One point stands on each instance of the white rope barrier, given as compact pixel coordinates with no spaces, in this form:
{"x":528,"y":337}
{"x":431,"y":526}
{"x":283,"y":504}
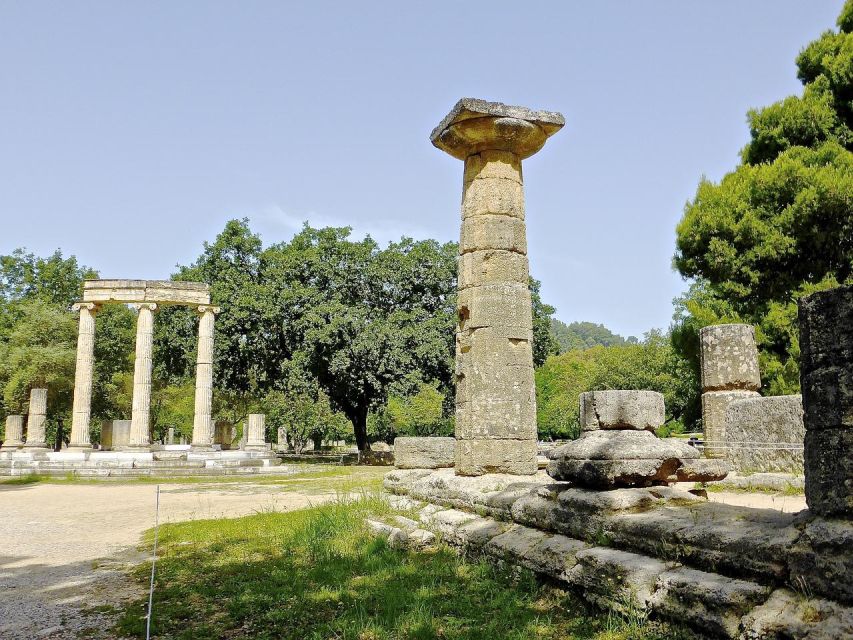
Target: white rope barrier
{"x":153,"y":565}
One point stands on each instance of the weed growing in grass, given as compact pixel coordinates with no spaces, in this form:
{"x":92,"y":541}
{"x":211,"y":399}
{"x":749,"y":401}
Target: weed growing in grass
{"x":318,"y":573}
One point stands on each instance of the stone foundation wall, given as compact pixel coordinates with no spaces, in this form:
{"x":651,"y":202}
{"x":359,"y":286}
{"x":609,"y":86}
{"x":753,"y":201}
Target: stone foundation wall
{"x":727,"y":572}
{"x":766,"y":434}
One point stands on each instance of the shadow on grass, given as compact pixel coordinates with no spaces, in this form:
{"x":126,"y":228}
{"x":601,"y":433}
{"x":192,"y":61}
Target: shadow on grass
{"x":318,"y":573}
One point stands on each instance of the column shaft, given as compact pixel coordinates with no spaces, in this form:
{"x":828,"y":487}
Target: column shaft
{"x":14,"y":437}
{"x":82,"y":407}
{"x":729,"y":372}
{"x":140,"y":425}
{"x":495,"y":393}
{"x":36,"y":419}
{"x":202,"y":420}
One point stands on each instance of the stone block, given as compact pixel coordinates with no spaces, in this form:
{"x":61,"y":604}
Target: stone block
{"x":492,"y":164}
{"x":493,"y":232}
{"x":115,"y":434}
{"x":821,"y":561}
{"x":709,"y":603}
{"x":493,"y":267}
{"x":621,"y":409}
{"x":605,"y":474}
{"x":424,"y":453}
{"x":766,"y":434}
{"x":701,"y":470}
{"x":623,"y":445}
{"x":794,"y":616}
{"x":481,"y":456}
{"x":828,"y":396}
{"x":729,"y":358}
{"x":616,"y":579}
{"x":505,"y":307}
{"x":515,"y":544}
{"x":715,"y":404}
{"x":492,"y":196}
{"x":223,"y":434}
{"x":826,"y":329}
{"x":829,"y":471}
{"x":477,"y":533}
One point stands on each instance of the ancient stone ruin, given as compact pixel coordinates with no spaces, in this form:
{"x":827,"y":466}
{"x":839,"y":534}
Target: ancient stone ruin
{"x":826,"y":375}
{"x":603,"y":520}
{"x":729,"y":371}
{"x":495,"y":393}
{"x":754,"y":433}
{"x":126,"y":447}
{"x":618,"y":447}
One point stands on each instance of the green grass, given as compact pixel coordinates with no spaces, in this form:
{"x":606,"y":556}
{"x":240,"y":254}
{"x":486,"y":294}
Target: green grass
{"x":318,"y":573}
{"x":789,"y":490}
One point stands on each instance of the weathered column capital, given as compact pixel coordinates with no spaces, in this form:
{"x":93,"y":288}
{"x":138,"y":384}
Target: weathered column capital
{"x":91,"y":307}
{"x":150,"y":306}
{"x":473,"y":126}
{"x":207,"y":308}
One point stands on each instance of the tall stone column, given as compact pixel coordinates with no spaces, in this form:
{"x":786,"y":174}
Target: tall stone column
{"x":14,"y":438}
{"x":495,"y":394}
{"x":140,"y":419}
{"x":81,"y":411}
{"x":729,"y":371}
{"x":826,"y":378}
{"x":203,"y":426}
{"x":36,"y":419}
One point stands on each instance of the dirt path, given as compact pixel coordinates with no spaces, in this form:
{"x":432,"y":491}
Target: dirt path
{"x":65,"y":547}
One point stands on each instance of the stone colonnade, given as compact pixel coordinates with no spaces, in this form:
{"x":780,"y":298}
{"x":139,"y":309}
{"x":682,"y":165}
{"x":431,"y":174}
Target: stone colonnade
{"x":146,"y":297}
{"x":729,"y":371}
{"x":495,"y":397}
{"x":826,"y":378}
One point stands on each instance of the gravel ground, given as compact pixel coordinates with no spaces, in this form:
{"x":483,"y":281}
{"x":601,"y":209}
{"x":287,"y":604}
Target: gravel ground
{"x":66,"y":547}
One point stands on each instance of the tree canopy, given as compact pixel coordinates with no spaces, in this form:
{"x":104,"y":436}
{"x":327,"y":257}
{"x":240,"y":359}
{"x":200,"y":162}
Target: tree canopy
{"x":781,"y":224}
{"x":583,"y":335}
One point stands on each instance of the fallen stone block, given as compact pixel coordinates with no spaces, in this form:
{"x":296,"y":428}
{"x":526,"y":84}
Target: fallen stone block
{"x":424,"y":453}
{"x":621,"y":409}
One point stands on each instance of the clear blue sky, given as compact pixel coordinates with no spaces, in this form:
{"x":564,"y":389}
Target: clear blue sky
{"x":130,"y":132}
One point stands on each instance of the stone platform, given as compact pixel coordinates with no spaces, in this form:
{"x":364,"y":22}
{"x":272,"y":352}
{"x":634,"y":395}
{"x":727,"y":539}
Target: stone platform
{"x":169,"y":461}
{"x":725,"y":571}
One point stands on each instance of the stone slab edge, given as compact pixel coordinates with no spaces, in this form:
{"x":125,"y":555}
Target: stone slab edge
{"x":714,"y":605}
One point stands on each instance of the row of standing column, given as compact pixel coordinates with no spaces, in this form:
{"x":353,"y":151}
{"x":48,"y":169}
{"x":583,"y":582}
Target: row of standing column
{"x":140,"y":437}
{"x":36,"y":418}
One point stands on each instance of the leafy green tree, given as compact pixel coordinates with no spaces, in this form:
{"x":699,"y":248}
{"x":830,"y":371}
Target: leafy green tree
{"x":419,"y":414}
{"x":781,"y":224}
{"x":583,"y":335}
{"x":304,"y":418}
{"x":544,"y":342}
{"x":651,"y":364}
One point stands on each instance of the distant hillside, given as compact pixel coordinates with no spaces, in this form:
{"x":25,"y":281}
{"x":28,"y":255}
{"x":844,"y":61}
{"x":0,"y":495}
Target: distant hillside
{"x":582,"y":335}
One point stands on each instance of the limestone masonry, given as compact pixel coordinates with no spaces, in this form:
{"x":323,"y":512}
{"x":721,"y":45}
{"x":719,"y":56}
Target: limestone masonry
{"x":729,"y":371}
{"x":826,"y":378}
{"x":618,"y":447}
{"x":495,"y":394}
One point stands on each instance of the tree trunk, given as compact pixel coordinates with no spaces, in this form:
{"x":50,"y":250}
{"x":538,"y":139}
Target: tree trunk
{"x":359,"y":424}
{"x":318,"y":442}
